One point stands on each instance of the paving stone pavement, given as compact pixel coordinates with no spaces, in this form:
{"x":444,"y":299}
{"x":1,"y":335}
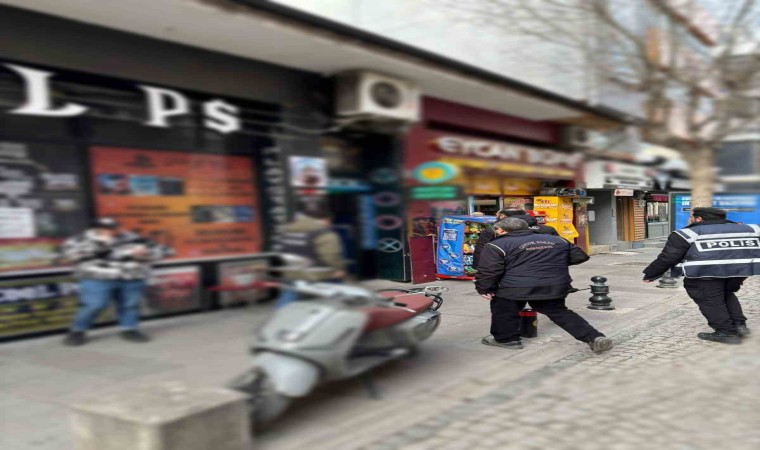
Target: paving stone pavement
{"x":660,"y":387}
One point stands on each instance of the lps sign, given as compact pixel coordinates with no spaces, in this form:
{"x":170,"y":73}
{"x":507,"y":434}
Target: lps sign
{"x":507,"y":152}
{"x":161,"y":103}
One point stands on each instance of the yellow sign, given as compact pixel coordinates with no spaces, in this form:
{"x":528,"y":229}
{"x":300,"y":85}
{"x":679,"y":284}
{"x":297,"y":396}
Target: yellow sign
{"x":511,"y":186}
{"x":484,"y":185}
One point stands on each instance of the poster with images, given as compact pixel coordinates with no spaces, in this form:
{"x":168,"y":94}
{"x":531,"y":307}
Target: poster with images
{"x":172,"y":290}
{"x":198,"y":204}
{"x":40,"y":304}
{"x":308,"y":172}
{"x":42,"y":202}
{"x":241,"y":273}
{"x":17,"y":223}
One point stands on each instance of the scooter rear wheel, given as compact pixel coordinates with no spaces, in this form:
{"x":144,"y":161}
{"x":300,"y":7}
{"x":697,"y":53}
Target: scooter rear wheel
{"x":265,"y":403}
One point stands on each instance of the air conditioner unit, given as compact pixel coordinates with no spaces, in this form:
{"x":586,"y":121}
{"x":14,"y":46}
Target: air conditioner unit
{"x":578,"y":137}
{"x":370,"y":95}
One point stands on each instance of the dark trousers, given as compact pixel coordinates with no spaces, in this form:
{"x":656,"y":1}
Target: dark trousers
{"x":716,"y":299}
{"x":505,"y":319}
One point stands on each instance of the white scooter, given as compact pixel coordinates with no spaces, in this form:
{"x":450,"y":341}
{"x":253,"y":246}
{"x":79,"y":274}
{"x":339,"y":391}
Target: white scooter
{"x":337,"y":332}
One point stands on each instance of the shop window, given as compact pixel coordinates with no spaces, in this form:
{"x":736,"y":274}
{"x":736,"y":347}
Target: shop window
{"x":487,"y":205}
{"x":657,"y":212}
{"x":42,"y":202}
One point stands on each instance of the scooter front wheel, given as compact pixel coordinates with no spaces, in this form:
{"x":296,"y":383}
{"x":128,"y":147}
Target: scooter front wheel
{"x":265,"y":403}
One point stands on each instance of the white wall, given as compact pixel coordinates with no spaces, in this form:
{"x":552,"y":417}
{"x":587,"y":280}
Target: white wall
{"x":450,"y":32}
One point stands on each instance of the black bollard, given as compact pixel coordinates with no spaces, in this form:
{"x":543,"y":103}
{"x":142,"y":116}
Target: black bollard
{"x":600,"y":300}
{"x":528,"y":323}
{"x":668,"y":281}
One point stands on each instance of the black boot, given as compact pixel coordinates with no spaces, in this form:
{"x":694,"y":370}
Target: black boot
{"x":743,"y":330}
{"x":134,"y":336}
{"x":75,"y":339}
{"x":721,"y":337}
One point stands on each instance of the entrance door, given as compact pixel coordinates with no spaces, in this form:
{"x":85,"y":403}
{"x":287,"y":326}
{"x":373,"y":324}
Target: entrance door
{"x":624,"y":218}
{"x":347,"y":222}
{"x":422,"y":255}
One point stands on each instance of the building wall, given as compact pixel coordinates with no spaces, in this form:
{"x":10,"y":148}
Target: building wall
{"x":739,"y":158}
{"x":69,"y":45}
{"x":451,"y":31}
{"x":603,"y":230}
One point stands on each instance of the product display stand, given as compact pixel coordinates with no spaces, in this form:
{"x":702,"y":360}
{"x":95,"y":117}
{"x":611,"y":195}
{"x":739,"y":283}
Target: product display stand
{"x":559,"y":214}
{"x":457,"y":237}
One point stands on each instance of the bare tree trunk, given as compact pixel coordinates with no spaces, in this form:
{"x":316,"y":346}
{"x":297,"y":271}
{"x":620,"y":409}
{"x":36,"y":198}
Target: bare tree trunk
{"x":702,"y":175}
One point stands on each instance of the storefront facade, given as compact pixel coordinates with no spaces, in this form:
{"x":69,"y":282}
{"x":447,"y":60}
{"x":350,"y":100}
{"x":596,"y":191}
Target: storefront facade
{"x":455,"y":167}
{"x":618,"y":215}
{"x":366,"y":198}
{"x":170,"y":148}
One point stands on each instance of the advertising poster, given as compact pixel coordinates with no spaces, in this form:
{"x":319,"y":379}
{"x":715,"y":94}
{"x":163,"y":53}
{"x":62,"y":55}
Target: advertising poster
{"x":200,"y":205}
{"x":241,"y":273}
{"x":743,"y":208}
{"x":171,"y":290}
{"x":456,"y":244}
{"x":307,"y":172}
{"x":41,"y":304}
{"x":41,"y":203}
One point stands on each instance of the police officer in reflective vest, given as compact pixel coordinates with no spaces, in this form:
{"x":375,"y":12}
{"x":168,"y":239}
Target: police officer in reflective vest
{"x":715,"y":256}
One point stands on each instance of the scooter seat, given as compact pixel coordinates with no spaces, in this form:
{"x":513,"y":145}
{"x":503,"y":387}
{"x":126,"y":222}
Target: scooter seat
{"x":417,"y":302}
{"x":387,"y":317}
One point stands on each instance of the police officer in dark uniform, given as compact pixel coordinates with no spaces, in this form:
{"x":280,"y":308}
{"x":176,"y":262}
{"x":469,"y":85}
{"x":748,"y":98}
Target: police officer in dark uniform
{"x":715,"y":255}
{"x":522,"y":267}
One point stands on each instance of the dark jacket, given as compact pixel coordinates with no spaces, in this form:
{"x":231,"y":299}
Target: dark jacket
{"x":524,"y":265}
{"x":533,"y":224}
{"x":488,"y":235}
{"x":675,"y":251}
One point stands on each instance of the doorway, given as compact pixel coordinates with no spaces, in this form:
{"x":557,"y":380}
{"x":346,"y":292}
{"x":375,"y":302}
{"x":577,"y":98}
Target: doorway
{"x":347,"y":222}
{"x":624,"y":218}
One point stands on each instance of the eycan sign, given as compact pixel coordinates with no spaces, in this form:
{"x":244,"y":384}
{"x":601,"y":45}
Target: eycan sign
{"x":501,"y":151}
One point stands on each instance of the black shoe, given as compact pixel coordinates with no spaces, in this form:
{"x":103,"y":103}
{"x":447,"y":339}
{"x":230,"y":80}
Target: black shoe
{"x":512,"y":345}
{"x":600,"y":344}
{"x":134,"y":336}
{"x":75,"y":339}
{"x":723,"y":338}
{"x":743,"y":330}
